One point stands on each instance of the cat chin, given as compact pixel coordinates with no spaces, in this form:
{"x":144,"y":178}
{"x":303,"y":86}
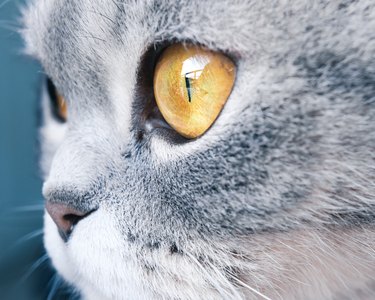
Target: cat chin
{"x":101,"y":264}
{"x":92,"y":260}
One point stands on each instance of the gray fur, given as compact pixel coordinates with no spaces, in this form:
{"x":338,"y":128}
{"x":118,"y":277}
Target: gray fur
{"x":291,"y":155}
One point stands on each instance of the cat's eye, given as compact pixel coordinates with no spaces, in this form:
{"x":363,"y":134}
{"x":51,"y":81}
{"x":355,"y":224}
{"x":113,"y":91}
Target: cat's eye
{"x":59,"y":106}
{"x":191,"y":86}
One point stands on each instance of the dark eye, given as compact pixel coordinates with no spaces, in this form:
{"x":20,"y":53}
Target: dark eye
{"x":59,"y":105}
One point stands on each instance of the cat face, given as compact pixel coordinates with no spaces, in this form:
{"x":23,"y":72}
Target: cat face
{"x":284,"y":171}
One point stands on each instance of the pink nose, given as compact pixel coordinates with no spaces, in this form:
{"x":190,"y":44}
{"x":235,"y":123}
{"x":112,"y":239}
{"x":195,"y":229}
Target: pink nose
{"x":65,"y":217}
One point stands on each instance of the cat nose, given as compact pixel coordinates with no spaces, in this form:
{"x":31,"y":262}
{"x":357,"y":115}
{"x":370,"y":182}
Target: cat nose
{"x":65,"y":217}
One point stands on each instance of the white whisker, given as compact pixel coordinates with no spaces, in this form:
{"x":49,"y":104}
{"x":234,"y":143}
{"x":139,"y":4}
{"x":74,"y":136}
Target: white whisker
{"x":27,"y":237}
{"x":56,"y":282}
{"x":4,"y":3}
{"x":208,"y":276}
{"x":249,"y":287}
{"x":28,"y":208}
{"x":219,"y":274}
{"x":34,"y":266}
{"x":22,"y":240}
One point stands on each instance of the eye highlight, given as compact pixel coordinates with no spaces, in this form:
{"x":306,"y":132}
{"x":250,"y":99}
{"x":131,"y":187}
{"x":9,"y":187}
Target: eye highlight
{"x":191,"y":86}
{"x":59,"y":105}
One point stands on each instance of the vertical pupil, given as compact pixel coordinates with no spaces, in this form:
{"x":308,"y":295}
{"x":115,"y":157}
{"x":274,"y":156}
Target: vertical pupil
{"x":188,"y":87}
{"x":189,"y":80}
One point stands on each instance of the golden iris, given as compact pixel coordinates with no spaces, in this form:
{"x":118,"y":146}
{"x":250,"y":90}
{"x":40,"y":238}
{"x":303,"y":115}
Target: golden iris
{"x":62,"y":107}
{"x":191,"y":86}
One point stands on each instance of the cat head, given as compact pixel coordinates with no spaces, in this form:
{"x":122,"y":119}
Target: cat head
{"x":160,"y":215}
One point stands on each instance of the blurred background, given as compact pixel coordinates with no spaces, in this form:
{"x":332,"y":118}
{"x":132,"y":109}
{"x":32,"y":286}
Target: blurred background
{"x":25,"y":271}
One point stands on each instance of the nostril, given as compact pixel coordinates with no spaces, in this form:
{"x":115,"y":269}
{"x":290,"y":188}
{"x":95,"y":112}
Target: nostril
{"x":74,"y":219}
{"x":71,"y":220}
{"x":65,"y":217}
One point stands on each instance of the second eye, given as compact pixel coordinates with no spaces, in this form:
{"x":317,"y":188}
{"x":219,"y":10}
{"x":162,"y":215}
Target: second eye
{"x":59,"y":105}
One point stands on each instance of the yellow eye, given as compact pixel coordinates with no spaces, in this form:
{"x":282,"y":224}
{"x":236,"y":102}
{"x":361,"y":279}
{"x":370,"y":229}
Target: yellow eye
{"x":59,"y":104}
{"x":62,"y":108}
{"x":191,"y":86}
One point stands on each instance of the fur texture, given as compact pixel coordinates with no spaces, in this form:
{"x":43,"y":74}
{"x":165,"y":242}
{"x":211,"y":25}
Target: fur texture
{"x":276,"y":200}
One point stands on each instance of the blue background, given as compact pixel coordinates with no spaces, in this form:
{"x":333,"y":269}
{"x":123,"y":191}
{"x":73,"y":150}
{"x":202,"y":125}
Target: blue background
{"x":21,"y":203}
{"x":19,"y":81}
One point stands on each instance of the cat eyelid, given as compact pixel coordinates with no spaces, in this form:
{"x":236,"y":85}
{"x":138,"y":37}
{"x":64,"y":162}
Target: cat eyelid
{"x":160,"y":46}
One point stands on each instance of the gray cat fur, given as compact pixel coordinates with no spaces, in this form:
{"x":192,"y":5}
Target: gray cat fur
{"x":276,"y":200}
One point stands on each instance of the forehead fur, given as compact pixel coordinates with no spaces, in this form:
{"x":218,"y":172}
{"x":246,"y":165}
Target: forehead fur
{"x":76,"y":38}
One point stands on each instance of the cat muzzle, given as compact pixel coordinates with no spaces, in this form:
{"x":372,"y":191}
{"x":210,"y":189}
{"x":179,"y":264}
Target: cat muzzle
{"x":65,"y":217}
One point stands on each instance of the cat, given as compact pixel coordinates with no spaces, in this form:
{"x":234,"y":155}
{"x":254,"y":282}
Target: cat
{"x":276,"y":200}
